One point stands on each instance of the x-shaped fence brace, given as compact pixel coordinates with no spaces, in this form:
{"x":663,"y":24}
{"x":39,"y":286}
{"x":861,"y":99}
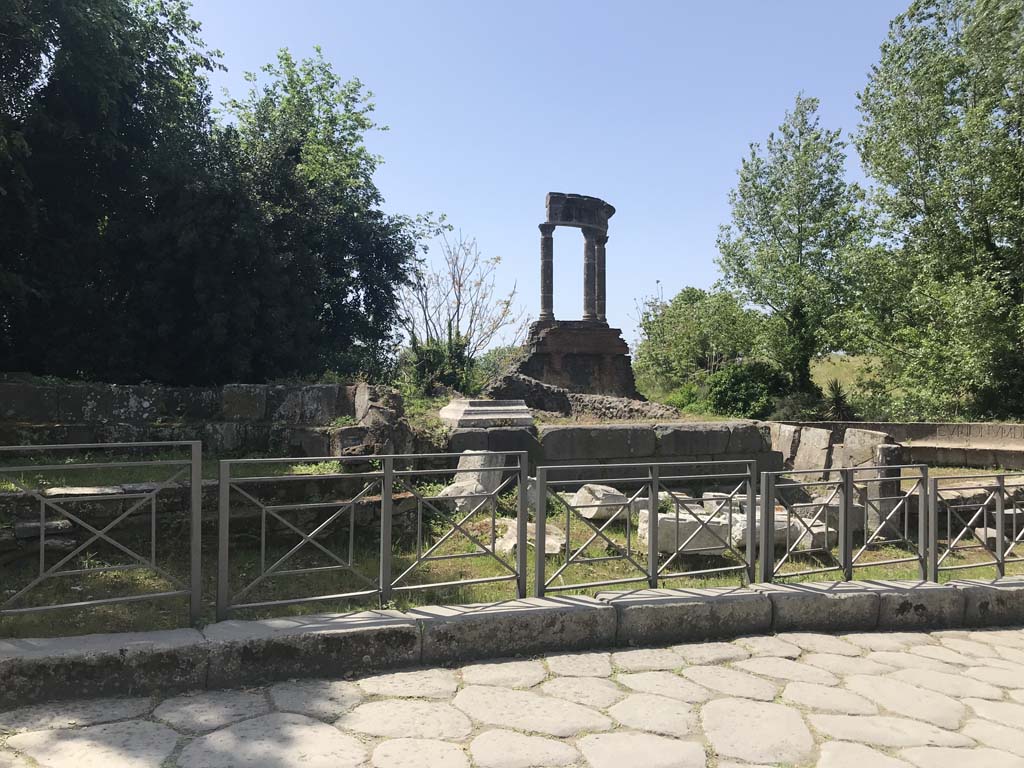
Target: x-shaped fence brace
{"x":876,"y":535}
{"x":97,"y":534}
{"x":458,"y":526}
{"x":308,"y":538}
{"x":822,"y":509}
{"x":575,"y":556}
{"x":954,"y":511}
{"x":702,"y":523}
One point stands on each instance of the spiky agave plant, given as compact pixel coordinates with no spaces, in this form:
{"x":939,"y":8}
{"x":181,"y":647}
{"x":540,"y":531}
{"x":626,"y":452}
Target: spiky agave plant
{"x":837,"y":403}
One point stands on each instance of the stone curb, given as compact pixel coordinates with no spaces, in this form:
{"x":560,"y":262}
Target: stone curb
{"x":239,"y":653}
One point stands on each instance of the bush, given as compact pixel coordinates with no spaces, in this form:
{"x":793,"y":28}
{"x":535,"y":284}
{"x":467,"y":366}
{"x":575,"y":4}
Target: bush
{"x":747,"y":390}
{"x":685,"y":396}
{"x":433,"y":364}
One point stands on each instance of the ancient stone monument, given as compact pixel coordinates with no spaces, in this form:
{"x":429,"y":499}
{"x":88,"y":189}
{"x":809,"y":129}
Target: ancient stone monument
{"x":579,"y":355}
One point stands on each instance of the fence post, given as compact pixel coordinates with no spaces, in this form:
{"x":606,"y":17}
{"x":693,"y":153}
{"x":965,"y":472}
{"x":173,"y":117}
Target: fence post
{"x":845,"y":523}
{"x":196,"y":534}
{"x":652,"y":527}
{"x":933,"y":530}
{"x":386,"y":502}
{"x":223,"y":521}
{"x":767,"y":549}
{"x":540,"y":521}
{"x":751,"y":521}
{"x":522,"y":512}
{"x":924,"y":529}
{"x":1000,"y":526}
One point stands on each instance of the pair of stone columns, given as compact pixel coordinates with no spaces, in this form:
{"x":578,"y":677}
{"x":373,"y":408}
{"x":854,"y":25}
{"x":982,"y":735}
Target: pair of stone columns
{"x":594,"y":242}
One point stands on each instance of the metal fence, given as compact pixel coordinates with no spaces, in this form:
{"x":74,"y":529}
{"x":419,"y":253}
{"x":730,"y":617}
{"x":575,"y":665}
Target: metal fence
{"x":828,"y":521}
{"x":343,"y":513}
{"x":976,"y":513}
{"x":60,"y":481}
{"x":627,"y":528}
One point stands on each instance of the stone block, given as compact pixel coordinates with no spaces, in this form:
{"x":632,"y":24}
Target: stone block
{"x":482,"y":468}
{"x":27,"y":402}
{"x":465,"y":413}
{"x":346,"y":439}
{"x":992,"y":603}
{"x":747,"y":438}
{"x":322,"y":404}
{"x":662,"y":616}
{"x":785,"y":440}
{"x":140,"y":663}
{"x":859,"y":446}
{"x":244,"y":402}
{"x":685,"y":533}
{"x":514,"y":628}
{"x":284,"y":403}
{"x":467,"y":440}
{"x":676,"y":440}
{"x":814,"y":451}
{"x":503,"y":439}
{"x":600,"y":502}
{"x":581,"y":445}
{"x":918,"y":605}
{"x":822,"y":606}
{"x":303,"y":441}
{"x":245,"y":653}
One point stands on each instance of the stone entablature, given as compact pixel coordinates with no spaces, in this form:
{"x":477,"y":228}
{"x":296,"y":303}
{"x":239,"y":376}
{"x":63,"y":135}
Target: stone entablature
{"x":461,"y":412}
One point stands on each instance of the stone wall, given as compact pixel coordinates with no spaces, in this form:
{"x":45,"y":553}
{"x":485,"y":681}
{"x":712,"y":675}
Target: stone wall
{"x":304,"y":420}
{"x":616,"y":443}
{"x":990,"y":444}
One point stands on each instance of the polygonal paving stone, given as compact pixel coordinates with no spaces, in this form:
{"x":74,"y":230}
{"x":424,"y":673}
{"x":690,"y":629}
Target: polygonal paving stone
{"x":1017,"y":695}
{"x":786,"y":669}
{"x":617,"y":750}
{"x":951,"y":685}
{"x":589,"y":691}
{"x":508,"y":749}
{"x":711,"y":653}
{"x":970,"y":648}
{"x":1015,"y":655}
{"x":665,"y":684}
{"x":647,"y":659}
{"x":882,"y":731}
{"x":945,"y":655}
{"x":527,"y":711}
{"x":769,"y":646}
{"x":647,"y":712}
{"x":11,"y":760}
{"x":210,"y":710}
{"x":819,"y":643}
{"x":886,"y":641}
{"x":732,"y":682}
{"x":1011,"y":638}
{"x":418,"y":753}
{"x":995,"y":735}
{"x":509,"y":674}
{"x":131,"y":744}
{"x":68,"y":714}
{"x":908,"y":700}
{"x":1004,"y":712}
{"x":280,"y":740}
{"x":418,"y":683}
{"x":845,"y":665}
{"x":827,"y":699}
{"x":581,"y":664}
{"x":994,"y":676}
{"x":903,"y":660}
{"x":945,"y":757}
{"x":409,"y":718}
{"x":756,"y":731}
{"x":322,"y":699}
{"x":842,"y":754}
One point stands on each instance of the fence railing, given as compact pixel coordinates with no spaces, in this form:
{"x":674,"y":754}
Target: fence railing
{"x":828,"y":521}
{"x":142,"y":491}
{"x":976,"y":513}
{"x":629,"y":528}
{"x":344,"y":514}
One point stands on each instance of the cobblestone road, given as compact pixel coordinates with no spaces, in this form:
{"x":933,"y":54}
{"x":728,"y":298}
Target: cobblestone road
{"x":928,"y":700}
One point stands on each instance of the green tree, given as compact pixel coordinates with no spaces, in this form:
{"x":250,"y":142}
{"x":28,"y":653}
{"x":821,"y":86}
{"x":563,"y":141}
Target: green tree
{"x":941,"y":297}
{"x":695,"y":334}
{"x":795,"y":221}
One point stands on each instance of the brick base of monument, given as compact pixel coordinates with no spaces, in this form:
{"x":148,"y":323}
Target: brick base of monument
{"x":581,"y":356}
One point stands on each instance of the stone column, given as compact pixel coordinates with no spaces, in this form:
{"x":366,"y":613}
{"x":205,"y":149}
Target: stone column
{"x":547,"y":272}
{"x":599,"y":289}
{"x":589,"y":273}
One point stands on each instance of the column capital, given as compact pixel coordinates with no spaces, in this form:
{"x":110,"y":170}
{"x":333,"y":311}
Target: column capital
{"x":546,"y":230}
{"x":601,"y":238}
{"x":591,"y":233}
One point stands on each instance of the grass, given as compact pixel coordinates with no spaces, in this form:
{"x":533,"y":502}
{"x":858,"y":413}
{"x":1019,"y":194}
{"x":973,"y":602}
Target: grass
{"x":363,"y":537}
{"x":846,"y":369}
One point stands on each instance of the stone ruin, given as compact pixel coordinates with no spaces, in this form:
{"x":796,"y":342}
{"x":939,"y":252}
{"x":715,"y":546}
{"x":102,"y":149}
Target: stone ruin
{"x":586,"y":355}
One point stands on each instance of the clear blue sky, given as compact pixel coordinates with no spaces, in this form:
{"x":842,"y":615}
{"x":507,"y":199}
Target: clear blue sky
{"x":649,"y":105}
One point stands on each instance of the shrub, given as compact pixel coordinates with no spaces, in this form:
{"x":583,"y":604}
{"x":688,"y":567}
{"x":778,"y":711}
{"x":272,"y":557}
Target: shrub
{"x":747,"y":390}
